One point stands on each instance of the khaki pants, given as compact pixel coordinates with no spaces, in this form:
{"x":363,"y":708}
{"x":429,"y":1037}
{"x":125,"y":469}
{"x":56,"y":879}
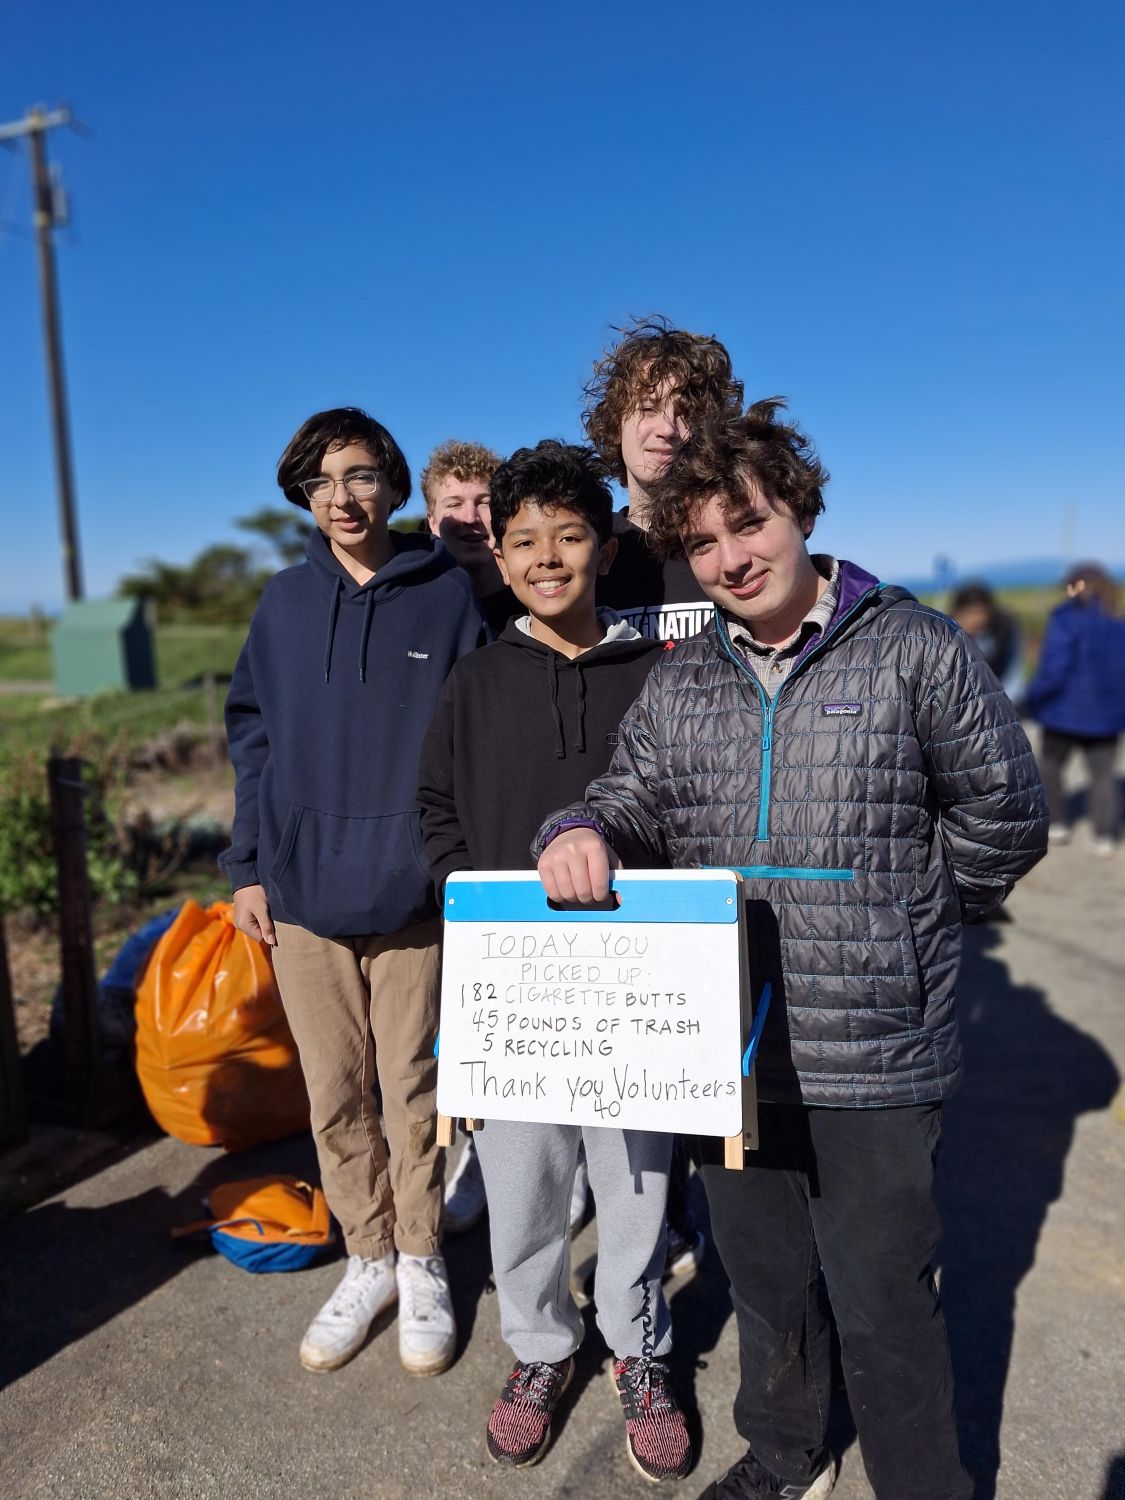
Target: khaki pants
{"x":357,"y":1007}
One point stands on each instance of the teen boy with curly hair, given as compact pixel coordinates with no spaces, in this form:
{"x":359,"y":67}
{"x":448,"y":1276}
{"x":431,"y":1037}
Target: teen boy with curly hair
{"x":645,"y":395}
{"x":337,"y":681}
{"x":455,"y":486}
{"x":849,"y":750}
{"x":520,"y":722}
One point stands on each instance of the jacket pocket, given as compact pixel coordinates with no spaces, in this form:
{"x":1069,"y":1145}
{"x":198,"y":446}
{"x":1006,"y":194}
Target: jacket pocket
{"x":351,"y":876}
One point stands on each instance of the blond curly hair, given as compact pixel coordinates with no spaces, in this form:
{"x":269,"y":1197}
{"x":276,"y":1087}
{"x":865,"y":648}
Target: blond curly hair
{"x":459,"y":460}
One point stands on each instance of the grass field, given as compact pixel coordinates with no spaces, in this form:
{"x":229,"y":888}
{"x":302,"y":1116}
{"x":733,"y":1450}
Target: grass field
{"x":184,"y":653}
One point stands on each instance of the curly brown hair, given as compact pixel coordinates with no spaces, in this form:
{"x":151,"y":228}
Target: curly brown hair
{"x":462,"y":461}
{"x":651,"y":353}
{"x":728,"y":456}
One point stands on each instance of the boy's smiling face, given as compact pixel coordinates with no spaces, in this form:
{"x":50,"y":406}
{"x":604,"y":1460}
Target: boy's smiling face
{"x":460,"y":517}
{"x":353,"y":525}
{"x":551,"y":559}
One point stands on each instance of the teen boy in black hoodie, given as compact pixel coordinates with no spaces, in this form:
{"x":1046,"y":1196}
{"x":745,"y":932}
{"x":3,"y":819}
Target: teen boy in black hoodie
{"x":336,"y":683}
{"x":519,"y":721}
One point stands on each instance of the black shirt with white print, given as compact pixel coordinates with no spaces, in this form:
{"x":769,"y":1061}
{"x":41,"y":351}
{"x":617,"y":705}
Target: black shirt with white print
{"x":659,"y":599}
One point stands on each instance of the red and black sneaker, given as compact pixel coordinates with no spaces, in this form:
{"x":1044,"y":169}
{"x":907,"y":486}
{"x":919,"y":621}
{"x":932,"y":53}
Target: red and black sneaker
{"x":655,"y":1431}
{"x":519,"y":1428}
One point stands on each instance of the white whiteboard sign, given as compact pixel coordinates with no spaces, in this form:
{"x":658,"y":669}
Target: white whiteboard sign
{"x":629,"y":1018}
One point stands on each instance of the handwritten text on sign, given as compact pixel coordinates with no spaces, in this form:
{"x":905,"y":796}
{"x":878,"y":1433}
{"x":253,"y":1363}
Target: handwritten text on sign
{"x":628,"y":1018}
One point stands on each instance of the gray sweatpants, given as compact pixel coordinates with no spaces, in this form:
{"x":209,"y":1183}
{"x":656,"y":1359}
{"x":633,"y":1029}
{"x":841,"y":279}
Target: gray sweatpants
{"x":528,"y":1174}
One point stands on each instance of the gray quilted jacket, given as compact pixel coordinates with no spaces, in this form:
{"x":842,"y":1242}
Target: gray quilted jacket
{"x":885,"y":795}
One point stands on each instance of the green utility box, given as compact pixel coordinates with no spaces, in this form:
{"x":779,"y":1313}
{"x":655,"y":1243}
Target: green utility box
{"x":102,"y":643}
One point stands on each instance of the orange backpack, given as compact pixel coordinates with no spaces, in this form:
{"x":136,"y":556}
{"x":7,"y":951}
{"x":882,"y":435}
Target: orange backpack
{"x":266,"y":1223}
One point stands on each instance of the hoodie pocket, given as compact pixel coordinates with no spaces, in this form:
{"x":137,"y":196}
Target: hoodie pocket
{"x":351,"y":876}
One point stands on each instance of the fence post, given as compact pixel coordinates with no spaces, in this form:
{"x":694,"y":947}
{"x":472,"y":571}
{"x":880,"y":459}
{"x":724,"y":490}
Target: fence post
{"x":79,"y":980}
{"x":13,"y":1119}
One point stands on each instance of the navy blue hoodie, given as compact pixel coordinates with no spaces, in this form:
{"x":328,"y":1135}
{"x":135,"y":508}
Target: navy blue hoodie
{"x":325,"y":717}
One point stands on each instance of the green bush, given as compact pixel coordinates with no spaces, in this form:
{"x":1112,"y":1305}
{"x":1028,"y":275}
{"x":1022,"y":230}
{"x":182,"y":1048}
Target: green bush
{"x":28,"y":873}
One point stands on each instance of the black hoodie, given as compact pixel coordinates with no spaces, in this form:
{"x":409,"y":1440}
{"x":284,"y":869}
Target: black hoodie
{"x":521,"y":729}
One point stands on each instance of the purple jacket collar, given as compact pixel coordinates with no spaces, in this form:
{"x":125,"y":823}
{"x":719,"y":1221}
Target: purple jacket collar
{"x":855,"y":582}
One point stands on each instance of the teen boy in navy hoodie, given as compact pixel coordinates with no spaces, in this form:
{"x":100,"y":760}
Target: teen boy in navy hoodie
{"x":339,"y":676}
{"x":532,"y":714}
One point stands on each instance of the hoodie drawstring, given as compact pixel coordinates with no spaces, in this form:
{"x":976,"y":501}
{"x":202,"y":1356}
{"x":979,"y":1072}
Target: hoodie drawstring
{"x":368,"y":611}
{"x":553,"y":684}
{"x":580,"y":704}
{"x":333,"y":611}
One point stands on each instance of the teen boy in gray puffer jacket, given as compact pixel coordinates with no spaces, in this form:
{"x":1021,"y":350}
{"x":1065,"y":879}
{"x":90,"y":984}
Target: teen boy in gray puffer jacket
{"x":848,"y":750}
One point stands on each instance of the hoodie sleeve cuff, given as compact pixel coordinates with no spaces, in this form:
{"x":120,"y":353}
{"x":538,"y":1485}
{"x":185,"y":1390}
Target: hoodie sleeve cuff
{"x":549,"y":834}
{"x":241,"y":874}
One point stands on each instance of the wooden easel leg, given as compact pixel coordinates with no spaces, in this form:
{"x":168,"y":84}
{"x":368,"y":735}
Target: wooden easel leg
{"x":471,"y":1125}
{"x":733,"y":1151}
{"x":446,"y":1130}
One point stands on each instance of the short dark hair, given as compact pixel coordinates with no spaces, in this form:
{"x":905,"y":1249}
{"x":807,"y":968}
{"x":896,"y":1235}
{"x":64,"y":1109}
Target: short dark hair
{"x":726,"y":456}
{"x":554,"y":476}
{"x":975,"y":594}
{"x":336,"y":429}
{"x":651,"y":353}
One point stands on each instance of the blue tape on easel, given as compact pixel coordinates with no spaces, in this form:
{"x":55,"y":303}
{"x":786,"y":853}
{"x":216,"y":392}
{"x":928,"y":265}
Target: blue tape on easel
{"x":756,"y":1030}
{"x":437,"y":1043}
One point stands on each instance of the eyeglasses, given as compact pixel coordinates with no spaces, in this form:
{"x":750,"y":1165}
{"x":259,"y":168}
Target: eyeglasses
{"x":360,"y":485}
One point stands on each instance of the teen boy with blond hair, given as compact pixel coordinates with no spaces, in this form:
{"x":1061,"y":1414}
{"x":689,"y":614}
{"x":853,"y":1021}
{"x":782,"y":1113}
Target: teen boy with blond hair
{"x":455,"y":485}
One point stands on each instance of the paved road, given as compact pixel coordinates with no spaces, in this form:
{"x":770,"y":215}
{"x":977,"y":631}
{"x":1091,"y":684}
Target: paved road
{"x":135,"y":1367}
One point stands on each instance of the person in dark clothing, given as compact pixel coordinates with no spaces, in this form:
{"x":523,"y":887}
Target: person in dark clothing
{"x":641,"y":402}
{"x":848,"y":750}
{"x":996,"y":632}
{"x":522,"y":719}
{"x":1078,"y":696}
{"x":644,"y":396}
{"x":333,"y":690}
{"x":455,"y":486}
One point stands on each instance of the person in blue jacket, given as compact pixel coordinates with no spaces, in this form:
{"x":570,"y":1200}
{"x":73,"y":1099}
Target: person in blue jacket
{"x":1078,"y":696}
{"x":339,"y":677}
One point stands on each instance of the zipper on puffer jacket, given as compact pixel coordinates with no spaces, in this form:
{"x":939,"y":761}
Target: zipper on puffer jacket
{"x":770,"y":704}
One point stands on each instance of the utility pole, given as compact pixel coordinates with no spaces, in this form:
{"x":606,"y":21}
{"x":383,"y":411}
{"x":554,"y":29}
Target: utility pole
{"x":35,"y":125}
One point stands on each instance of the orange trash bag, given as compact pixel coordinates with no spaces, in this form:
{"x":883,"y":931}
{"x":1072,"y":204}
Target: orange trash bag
{"x":215,"y":1057}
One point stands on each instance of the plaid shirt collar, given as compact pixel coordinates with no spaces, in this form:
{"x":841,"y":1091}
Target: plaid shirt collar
{"x":814,"y":623}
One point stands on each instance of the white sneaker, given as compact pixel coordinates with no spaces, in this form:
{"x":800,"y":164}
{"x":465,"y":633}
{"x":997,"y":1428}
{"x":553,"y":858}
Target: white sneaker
{"x":1058,"y":834}
{"x":465,"y":1201}
{"x":426,"y":1331}
{"x":1103,"y":847}
{"x":340,"y":1327}
{"x":578,"y":1196}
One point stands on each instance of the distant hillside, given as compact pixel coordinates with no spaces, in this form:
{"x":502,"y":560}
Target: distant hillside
{"x":1033,"y":572}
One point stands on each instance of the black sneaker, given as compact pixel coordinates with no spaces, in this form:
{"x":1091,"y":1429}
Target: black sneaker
{"x":685,"y":1251}
{"x":519,"y":1428}
{"x":750,"y":1480}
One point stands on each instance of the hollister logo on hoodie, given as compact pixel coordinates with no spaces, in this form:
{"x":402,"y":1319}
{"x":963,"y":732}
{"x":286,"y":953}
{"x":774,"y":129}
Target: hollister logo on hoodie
{"x":841,"y":710}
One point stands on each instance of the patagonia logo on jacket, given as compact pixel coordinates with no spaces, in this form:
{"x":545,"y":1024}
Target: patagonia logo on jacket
{"x":841,"y":710}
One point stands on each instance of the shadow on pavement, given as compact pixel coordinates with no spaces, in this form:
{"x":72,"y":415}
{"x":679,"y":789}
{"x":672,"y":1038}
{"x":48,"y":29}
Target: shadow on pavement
{"x":1029,"y":1076}
{"x":1115,"y":1479}
{"x":65,"y":1271}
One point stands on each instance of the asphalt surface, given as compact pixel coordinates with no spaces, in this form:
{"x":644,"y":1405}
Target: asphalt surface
{"x":134,"y":1366}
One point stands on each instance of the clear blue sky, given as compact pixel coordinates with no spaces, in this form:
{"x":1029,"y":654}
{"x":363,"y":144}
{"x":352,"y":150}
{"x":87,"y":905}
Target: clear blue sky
{"x":907,"y":218}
